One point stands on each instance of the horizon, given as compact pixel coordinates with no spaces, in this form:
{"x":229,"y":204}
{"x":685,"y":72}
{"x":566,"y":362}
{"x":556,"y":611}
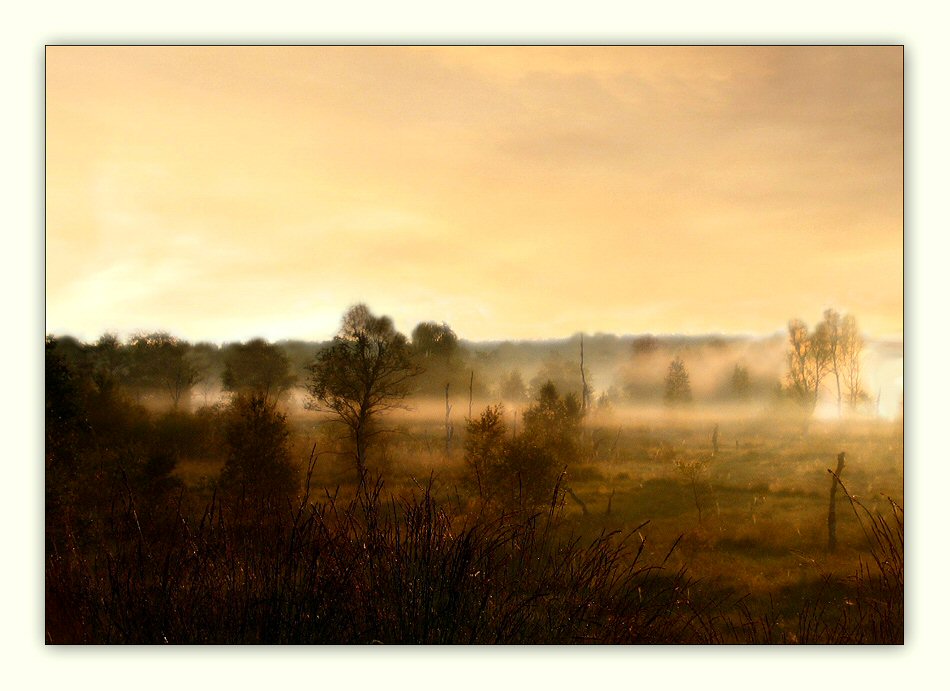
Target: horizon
{"x":125,"y":334}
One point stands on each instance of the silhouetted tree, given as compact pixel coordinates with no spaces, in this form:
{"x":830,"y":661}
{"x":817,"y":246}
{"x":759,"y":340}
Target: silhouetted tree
{"x":67,"y":429}
{"x":553,"y":423}
{"x":435,"y":350}
{"x":108,"y":363}
{"x":521,"y":472}
{"x":677,"y":383}
{"x":257,"y":367}
{"x":485,"y":443}
{"x":162,"y":362}
{"x":366,"y":371}
{"x":435,"y":341}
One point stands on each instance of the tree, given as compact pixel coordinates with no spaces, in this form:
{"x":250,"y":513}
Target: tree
{"x":437,"y":341}
{"x":851,"y":345}
{"x":563,"y":374}
{"x":366,"y":371}
{"x":513,"y":388}
{"x":740,"y":382}
{"x":809,"y":361}
{"x":485,"y":441}
{"x":553,"y":423}
{"x":435,"y":350}
{"x":259,"y":462}
{"x":257,"y":367}
{"x":831,"y":325}
{"x":108,"y":363}
{"x":160,"y":361}
{"x":677,"y":383}
{"x":521,"y":472}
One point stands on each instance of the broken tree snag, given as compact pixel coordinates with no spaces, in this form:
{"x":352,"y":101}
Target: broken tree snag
{"x":715,"y":439}
{"x":576,"y":498}
{"x":585,"y":390}
{"x":610,"y":500}
{"x":448,"y":422}
{"x":832,"y":518}
{"x":471,"y":383}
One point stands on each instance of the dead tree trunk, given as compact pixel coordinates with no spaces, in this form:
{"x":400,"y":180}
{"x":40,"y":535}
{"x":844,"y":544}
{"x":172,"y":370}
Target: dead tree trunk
{"x":576,"y":498}
{"x":448,"y":423}
{"x":471,"y":383}
{"x":715,"y":439}
{"x":585,"y":390}
{"x":832,"y":518}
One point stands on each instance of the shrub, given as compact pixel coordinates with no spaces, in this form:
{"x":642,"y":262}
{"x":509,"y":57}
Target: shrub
{"x":521,"y":472}
{"x":258,"y":462}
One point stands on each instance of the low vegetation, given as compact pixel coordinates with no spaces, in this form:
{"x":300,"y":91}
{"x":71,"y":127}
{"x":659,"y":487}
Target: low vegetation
{"x":351,"y":519}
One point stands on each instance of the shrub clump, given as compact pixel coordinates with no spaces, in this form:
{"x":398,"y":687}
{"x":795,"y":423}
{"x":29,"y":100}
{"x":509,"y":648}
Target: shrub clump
{"x":522,"y":472}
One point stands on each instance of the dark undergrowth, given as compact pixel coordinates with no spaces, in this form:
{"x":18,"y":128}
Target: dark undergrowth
{"x":368,"y":570}
{"x":359,"y":571}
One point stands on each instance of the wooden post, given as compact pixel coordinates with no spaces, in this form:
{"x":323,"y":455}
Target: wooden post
{"x":832,"y":519}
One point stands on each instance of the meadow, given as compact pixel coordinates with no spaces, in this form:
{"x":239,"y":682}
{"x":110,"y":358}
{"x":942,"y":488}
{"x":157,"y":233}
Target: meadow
{"x":703,"y":522}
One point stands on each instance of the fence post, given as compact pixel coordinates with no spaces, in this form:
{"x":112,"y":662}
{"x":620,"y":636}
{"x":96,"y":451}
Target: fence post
{"x":832,"y":518}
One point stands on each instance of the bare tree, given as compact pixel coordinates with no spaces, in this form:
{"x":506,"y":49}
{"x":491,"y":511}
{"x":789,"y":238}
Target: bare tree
{"x":585,"y":388}
{"x":809,"y":361}
{"x":366,"y":371}
{"x":832,"y":325}
{"x":851,"y":345}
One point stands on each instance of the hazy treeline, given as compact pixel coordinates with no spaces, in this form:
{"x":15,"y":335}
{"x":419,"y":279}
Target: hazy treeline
{"x":627,"y":370}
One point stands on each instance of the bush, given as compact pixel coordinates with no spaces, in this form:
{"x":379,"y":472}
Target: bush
{"x":521,"y":473}
{"x":258,"y":462}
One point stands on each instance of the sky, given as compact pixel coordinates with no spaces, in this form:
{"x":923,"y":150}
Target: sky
{"x":224,"y":193}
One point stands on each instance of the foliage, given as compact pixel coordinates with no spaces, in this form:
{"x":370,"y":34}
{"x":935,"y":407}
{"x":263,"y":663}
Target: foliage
{"x":522,"y":472}
{"x":677,"y":383}
{"x":366,"y":371}
{"x":159,"y":361}
{"x":360,"y":572}
{"x":553,"y":423}
{"x":435,"y":341}
{"x":740,"y":384}
{"x":257,"y":367}
{"x":259,"y":461}
{"x":436,"y":351}
{"x":564,"y":374}
{"x":513,"y":389}
{"x":485,"y":441}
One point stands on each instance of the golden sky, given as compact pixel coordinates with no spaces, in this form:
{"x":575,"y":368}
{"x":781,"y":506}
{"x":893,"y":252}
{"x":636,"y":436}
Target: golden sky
{"x":223,"y":193}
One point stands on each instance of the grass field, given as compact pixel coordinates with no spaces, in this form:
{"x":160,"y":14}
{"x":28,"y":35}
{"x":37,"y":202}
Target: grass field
{"x":753,"y":524}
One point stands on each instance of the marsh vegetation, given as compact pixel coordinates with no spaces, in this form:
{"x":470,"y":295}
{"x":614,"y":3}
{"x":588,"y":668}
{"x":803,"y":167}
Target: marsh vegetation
{"x":379,"y":488}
